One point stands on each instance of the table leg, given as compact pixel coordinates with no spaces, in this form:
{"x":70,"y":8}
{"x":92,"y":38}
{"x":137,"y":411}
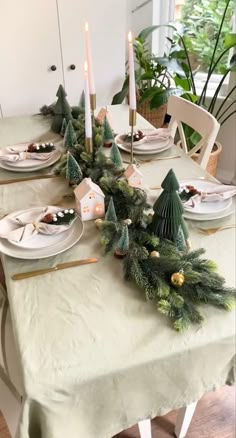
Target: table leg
{"x":145,"y":429}
{"x":184,"y":419}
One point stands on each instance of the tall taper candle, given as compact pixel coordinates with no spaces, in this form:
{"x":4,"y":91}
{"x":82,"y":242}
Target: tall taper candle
{"x":88,"y":122}
{"x":132,"y":88}
{"x":89,"y":59}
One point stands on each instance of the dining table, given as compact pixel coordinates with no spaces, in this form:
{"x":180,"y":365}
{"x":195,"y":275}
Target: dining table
{"x":94,"y":355}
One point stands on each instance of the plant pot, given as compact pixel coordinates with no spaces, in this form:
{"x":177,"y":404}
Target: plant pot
{"x":213,"y":159}
{"x":156,"y":116}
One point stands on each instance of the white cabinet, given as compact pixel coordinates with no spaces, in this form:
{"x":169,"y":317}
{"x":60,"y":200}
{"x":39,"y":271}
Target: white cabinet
{"x":37,"y":35}
{"x":29,"y":46}
{"x":107,"y":25}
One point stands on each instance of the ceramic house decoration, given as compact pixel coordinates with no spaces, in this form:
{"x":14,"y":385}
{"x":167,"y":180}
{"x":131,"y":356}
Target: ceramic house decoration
{"x":133,"y":176}
{"x":89,"y":200}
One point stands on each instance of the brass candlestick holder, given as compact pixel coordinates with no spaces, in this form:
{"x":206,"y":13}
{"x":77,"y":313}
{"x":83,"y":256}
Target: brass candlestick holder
{"x":93,"y":104}
{"x":132,"y":123}
{"x":89,"y":145}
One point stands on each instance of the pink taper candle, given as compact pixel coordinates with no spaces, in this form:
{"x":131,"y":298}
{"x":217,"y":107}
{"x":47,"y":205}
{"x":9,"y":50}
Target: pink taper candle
{"x":89,"y":59}
{"x":88,"y":122}
{"x":132,"y":88}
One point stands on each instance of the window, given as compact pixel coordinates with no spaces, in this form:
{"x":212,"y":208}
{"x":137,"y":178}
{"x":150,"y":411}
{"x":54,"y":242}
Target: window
{"x":199,"y":20}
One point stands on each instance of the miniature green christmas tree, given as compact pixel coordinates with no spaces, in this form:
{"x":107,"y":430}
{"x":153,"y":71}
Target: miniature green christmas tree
{"x":63,"y":127}
{"x":123,"y":243}
{"x":108,"y":136}
{"x":115,"y":156}
{"x":111,"y":212}
{"x":167,"y":222}
{"x":73,"y":171}
{"x":70,"y":138}
{"x":61,"y":110}
{"x":82,"y":100}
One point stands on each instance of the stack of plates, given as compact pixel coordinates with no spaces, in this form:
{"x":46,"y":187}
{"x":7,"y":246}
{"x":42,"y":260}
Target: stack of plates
{"x":40,"y":245}
{"x":28,"y":165}
{"x":144,"y":148}
{"x":205,"y":211}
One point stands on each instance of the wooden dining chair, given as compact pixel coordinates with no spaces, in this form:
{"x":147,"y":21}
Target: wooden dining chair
{"x":10,"y":377}
{"x":204,"y":123}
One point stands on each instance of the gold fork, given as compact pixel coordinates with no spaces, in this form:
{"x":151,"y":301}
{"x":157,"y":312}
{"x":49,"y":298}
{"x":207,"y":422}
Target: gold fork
{"x":209,"y":231}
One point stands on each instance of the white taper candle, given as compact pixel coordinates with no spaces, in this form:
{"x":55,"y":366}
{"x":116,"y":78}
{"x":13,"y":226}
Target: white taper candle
{"x":89,"y":60}
{"x":132,"y":88}
{"x":88,"y":122}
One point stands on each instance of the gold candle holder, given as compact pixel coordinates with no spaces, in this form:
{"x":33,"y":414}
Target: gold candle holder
{"x":132,"y":123}
{"x":93,"y":102}
{"x":89,"y":145}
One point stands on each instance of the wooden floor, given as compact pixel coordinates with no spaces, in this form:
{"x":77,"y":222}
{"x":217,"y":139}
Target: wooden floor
{"x":214,"y":418}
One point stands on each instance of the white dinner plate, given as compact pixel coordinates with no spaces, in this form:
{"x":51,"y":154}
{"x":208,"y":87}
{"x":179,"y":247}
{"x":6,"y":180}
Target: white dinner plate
{"x":30,"y":165}
{"x":210,"y":217}
{"x":205,"y":208}
{"x":67,"y":240}
{"x":149,"y":148}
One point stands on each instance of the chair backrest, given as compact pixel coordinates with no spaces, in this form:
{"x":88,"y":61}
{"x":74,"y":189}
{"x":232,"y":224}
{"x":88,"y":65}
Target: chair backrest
{"x":183,"y":111}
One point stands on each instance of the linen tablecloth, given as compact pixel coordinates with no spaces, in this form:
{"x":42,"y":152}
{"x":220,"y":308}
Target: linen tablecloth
{"x":95,"y":356}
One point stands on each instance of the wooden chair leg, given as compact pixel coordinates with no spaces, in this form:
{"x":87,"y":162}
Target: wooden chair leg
{"x":184,"y":419}
{"x":145,"y":430}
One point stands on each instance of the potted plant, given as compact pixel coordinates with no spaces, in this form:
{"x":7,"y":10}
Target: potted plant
{"x":153,"y":82}
{"x":179,"y":62}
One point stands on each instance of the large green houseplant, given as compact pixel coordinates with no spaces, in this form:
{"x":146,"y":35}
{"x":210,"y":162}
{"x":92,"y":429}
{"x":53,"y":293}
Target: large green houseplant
{"x":153,"y":82}
{"x":179,"y":63}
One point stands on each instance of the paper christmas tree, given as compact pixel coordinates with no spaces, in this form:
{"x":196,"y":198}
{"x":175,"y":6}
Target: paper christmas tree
{"x":167,"y":221}
{"x":111,"y":212}
{"x":70,"y":138}
{"x":115,"y":156}
{"x":61,"y":110}
{"x":73,"y":171}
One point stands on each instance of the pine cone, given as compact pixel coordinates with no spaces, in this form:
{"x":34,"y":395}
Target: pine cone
{"x":47,"y":219}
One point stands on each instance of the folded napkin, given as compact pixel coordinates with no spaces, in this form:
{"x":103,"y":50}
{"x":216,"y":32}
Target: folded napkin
{"x":214,"y":194}
{"x":28,"y":225}
{"x":21,"y":156}
{"x":161,"y":134}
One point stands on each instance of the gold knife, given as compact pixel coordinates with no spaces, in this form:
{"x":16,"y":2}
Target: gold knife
{"x":58,"y":267}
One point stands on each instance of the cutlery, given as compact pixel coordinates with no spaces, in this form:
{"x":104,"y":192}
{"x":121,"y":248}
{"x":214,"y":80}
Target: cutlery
{"x":160,"y":158}
{"x":209,"y":231}
{"x":31,"y":178}
{"x":58,"y":267}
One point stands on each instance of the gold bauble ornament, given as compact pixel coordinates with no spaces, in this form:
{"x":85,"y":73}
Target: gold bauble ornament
{"x":128,"y":221}
{"x":154,"y":254}
{"x":177,"y":279}
{"x":98,"y":222}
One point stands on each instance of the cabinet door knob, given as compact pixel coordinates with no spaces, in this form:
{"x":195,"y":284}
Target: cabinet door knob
{"x":72,"y":67}
{"x":53,"y":67}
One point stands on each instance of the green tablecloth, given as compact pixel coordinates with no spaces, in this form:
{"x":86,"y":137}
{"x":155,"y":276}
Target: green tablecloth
{"x":95,"y":356}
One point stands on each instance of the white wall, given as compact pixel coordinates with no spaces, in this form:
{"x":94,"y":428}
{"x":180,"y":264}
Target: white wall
{"x":139,"y":15}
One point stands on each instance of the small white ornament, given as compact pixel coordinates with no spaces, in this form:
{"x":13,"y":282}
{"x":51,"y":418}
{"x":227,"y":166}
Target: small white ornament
{"x":54,"y":219}
{"x":66,"y":211}
{"x":50,"y":144}
{"x":60,"y":214}
{"x":134,"y":176}
{"x":71,"y":211}
{"x":37,"y":147}
{"x":128,"y":221}
{"x":154,"y":254}
{"x":89,"y":200}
